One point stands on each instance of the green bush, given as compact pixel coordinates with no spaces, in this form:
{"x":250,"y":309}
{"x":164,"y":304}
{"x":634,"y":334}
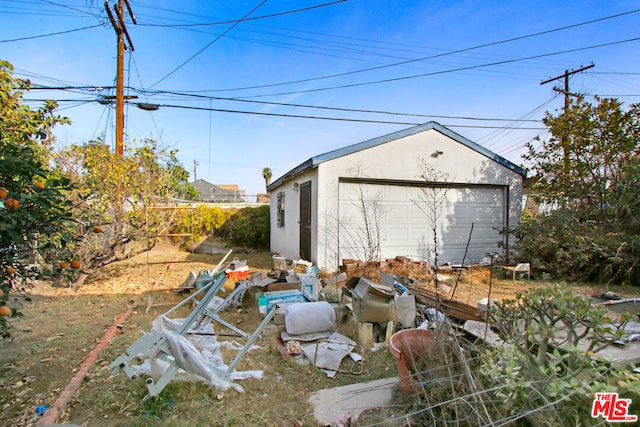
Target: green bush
{"x":247,"y":227}
{"x":201,"y":221}
{"x":563,"y":245}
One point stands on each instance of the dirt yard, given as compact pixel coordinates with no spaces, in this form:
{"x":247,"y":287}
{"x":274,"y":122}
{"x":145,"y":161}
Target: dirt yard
{"x":60,"y":328}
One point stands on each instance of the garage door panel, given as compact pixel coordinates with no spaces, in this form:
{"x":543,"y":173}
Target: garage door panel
{"x":394,"y":212}
{"x":405,"y":227}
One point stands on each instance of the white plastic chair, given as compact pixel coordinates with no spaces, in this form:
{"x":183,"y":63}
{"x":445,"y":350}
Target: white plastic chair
{"x":523,"y":267}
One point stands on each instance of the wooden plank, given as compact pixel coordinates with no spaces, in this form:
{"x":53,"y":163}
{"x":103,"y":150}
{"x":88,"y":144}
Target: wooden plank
{"x":449,"y":307}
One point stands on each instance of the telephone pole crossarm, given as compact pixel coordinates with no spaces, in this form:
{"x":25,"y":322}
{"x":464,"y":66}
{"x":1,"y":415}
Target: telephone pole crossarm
{"x":567,"y":73}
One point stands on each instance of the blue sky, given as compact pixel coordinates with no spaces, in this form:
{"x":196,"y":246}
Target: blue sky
{"x":473,"y":66}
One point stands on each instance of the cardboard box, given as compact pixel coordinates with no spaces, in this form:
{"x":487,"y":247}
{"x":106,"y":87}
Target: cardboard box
{"x":282,"y":286}
{"x":373,"y":309}
{"x":371,"y":302}
{"x":279,"y":263}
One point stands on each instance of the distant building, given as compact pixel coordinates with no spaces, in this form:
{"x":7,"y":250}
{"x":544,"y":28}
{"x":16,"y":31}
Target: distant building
{"x":218,"y":193}
{"x":262,"y":198}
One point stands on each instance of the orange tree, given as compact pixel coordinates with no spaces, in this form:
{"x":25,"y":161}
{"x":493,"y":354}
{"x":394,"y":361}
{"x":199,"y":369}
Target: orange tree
{"x":33,"y":209}
{"x":113,"y":196}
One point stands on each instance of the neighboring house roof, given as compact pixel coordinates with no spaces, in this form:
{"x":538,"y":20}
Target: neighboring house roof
{"x":209,"y":191}
{"x":230,"y":187}
{"x":316,"y":160}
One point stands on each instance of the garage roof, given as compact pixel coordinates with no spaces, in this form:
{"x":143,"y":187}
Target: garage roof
{"x":316,"y":160}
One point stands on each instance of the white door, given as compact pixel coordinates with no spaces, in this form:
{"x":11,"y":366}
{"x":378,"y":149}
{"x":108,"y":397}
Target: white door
{"x":380,"y":221}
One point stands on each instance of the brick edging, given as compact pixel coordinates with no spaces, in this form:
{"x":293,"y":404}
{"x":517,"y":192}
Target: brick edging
{"x":50,"y":416}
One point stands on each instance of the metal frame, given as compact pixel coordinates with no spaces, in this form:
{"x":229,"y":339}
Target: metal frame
{"x":155,"y":344}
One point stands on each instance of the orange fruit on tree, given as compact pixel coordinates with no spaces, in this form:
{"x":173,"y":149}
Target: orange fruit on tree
{"x":11,"y":203}
{"x":97,"y":229}
{"x":1,"y":292}
{"x":4,"y":311}
{"x":40,"y":185}
{"x":11,"y":271}
{"x":64,"y":264}
{"x":76,"y":264}
{"x":3,"y":192}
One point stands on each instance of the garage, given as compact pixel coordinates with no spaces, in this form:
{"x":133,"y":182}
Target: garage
{"x":384,"y":197}
{"x":391,"y":219}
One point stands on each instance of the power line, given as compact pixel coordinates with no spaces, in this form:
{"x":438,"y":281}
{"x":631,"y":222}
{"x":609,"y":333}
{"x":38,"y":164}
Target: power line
{"x":50,"y":34}
{"x":437,"y":55}
{"x":205,"y":24}
{"x":351,"y":110}
{"x":435,"y":73}
{"x":342,"y":119}
{"x":212,"y":42}
{"x":64,"y":6}
{"x":610,"y":72}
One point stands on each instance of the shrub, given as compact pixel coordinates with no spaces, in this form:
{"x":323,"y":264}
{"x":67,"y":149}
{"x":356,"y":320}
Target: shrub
{"x":201,"y":221}
{"x":562,"y":245}
{"x":248,"y":227}
{"x":547,"y":366}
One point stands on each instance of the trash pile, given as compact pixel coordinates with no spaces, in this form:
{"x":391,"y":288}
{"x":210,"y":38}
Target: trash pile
{"x":306,"y":310}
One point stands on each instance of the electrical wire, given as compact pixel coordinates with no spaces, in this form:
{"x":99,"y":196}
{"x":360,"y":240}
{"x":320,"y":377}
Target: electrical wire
{"x":343,"y":119}
{"x":145,"y":93}
{"x":104,"y":110}
{"x":64,"y":6}
{"x":50,"y":34}
{"x":273,"y":15}
{"x":153,"y":119}
{"x":435,"y":73}
{"x":619,"y":73}
{"x":439,"y":55}
{"x":351,"y":110}
{"x":499,"y":135}
{"x":212,"y":42}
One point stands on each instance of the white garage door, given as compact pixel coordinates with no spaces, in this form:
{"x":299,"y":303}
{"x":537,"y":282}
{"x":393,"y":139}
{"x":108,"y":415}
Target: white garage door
{"x":379,"y":221}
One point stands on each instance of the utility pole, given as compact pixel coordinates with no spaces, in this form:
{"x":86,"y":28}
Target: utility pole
{"x":120,"y":28}
{"x":567,"y":73}
{"x":195,"y":167}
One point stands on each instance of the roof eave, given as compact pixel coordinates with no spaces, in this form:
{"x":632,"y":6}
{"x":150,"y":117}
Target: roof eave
{"x":316,"y":160}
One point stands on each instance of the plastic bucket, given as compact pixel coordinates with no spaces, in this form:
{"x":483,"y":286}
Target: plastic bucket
{"x":407,"y":346}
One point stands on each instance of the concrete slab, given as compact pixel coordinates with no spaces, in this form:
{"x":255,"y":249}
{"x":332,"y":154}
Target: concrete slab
{"x":329,"y":404}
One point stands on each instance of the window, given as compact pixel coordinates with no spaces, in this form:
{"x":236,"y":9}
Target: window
{"x":280,"y":208}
